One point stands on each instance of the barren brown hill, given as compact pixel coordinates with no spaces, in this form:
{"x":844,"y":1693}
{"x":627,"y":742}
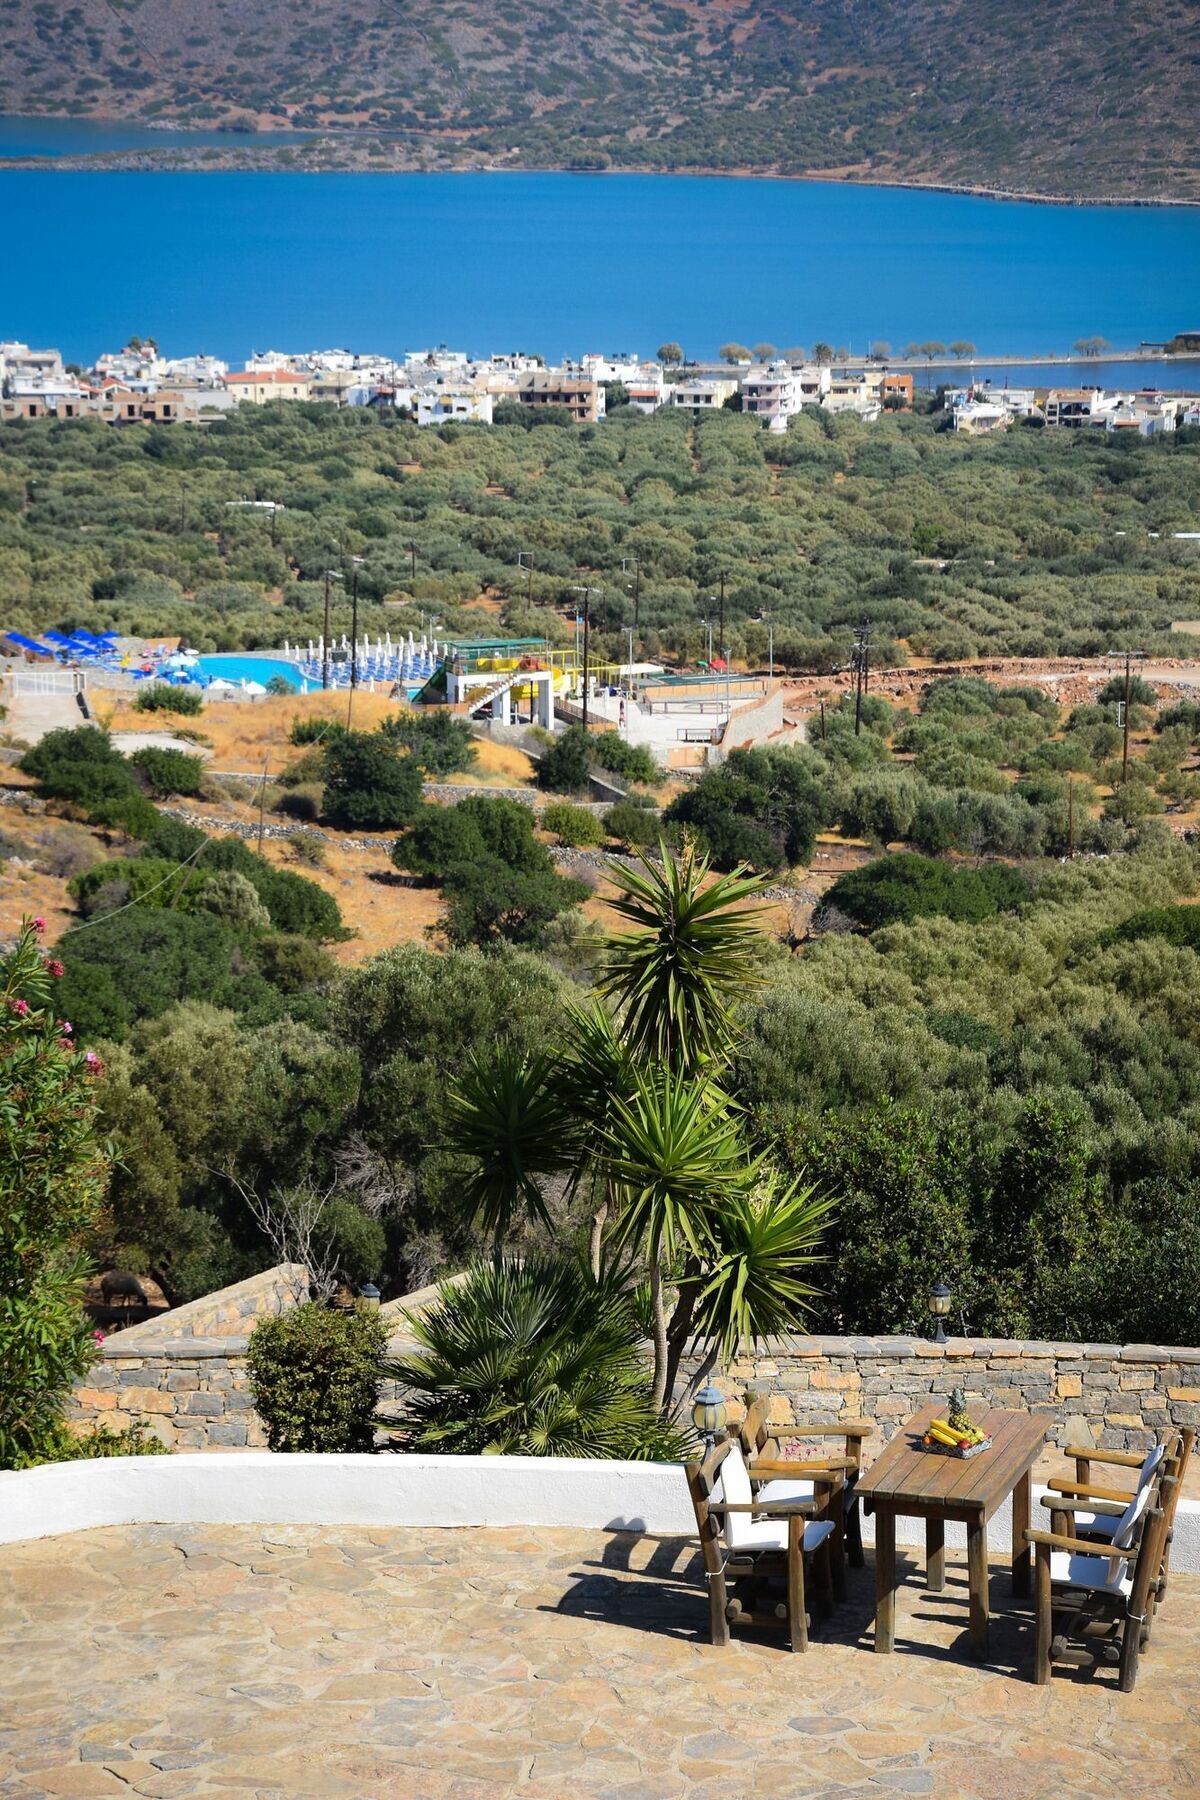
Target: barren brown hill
{"x":1088,"y":98}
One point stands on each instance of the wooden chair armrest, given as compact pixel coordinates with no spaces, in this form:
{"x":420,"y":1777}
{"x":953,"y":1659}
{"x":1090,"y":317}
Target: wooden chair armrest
{"x":828,"y":1465}
{"x":1111,"y":1509}
{"x":1077,"y":1546}
{"x":1086,"y":1490}
{"x":1121,"y":1459}
{"x":772,"y":1509}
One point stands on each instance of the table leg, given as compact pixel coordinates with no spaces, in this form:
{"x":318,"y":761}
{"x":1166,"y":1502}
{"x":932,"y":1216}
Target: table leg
{"x":1021,"y":1551}
{"x":977,"y":1573}
{"x":885,"y":1580}
{"x":935,"y":1555}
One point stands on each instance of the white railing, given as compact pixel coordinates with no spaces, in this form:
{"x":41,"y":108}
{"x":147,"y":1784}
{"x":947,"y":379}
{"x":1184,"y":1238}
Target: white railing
{"x":48,"y":681}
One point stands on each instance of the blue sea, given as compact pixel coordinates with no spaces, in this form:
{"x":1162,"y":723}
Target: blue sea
{"x":20,"y":136}
{"x":562,"y":264}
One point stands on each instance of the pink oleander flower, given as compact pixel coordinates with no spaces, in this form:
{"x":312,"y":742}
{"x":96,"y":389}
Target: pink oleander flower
{"x":20,"y":1007}
{"x":66,"y":1027}
{"x":39,"y":924}
{"x":94,"y":1063}
{"x":55,"y":968}
{"x":98,"y":1337}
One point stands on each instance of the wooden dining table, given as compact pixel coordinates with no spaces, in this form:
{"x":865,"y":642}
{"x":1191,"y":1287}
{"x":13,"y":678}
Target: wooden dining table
{"x":906,"y":1480}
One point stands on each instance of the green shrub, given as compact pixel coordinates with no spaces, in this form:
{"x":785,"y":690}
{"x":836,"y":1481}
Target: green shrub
{"x":574,"y":826}
{"x":300,"y":803}
{"x":160,"y":696}
{"x":81,"y":765}
{"x":441,"y":743}
{"x":309,"y":847}
{"x":315,"y":731}
{"x":897,"y":889}
{"x":1174,"y":924}
{"x":490,"y":901}
{"x":64,"y":1445}
{"x":632,"y":825}
{"x":478,"y":829}
{"x":564,"y":767}
{"x":168,"y":772}
{"x":229,"y":897}
{"x":633,"y":762}
{"x":315,"y":1376}
{"x":368,"y":785}
{"x":134,"y":815}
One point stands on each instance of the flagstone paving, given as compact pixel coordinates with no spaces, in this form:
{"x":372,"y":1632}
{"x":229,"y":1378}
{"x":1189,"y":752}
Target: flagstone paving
{"x":272,"y":1662}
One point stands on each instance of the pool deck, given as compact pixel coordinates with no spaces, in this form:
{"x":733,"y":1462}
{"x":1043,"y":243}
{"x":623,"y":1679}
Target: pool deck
{"x":169,"y":1661}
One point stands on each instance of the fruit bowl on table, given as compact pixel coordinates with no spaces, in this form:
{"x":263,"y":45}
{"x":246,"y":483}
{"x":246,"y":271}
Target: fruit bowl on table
{"x":962,"y":1451}
{"x":961,"y":1440}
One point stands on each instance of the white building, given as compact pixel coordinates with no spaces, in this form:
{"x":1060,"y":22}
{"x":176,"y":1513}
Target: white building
{"x":772,"y":394}
{"x":19,"y":360}
{"x":977,"y":417}
{"x":439,"y":405}
{"x":205,"y":371}
{"x":704,"y":395}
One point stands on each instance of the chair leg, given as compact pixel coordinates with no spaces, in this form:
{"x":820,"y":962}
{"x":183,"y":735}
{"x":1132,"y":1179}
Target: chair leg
{"x":854,"y":1537}
{"x":1131,"y":1650}
{"x":797,"y":1618}
{"x":718,"y":1600}
{"x":1043,"y":1617}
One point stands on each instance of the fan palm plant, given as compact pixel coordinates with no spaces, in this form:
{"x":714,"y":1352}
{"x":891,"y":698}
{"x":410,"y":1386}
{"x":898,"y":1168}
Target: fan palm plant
{"x":532,"y":1358}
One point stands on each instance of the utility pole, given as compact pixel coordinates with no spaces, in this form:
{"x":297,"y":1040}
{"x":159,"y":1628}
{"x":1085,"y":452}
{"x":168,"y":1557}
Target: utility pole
{"x":330,"y":575}
{"x":637,"y":588}
{"x":724,"y":655}
{"x":262,"y":801}
{"x":357,"y":562}
{"x":707,"y":624}
{"x":862,"y":661}
{"x":587,"y":593}
{"x":1125,"y":720}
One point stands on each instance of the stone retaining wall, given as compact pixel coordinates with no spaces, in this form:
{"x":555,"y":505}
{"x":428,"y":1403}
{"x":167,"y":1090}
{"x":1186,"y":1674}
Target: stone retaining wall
{"x":1116,"y":1397}
{"x":193,"y":1393}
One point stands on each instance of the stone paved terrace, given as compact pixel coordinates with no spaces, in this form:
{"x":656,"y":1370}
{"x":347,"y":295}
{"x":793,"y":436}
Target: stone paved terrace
{"x":169,"y":1661}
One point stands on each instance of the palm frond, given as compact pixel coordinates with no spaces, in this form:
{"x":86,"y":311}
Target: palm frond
{"x":507,"y":1114}
{"x":767,"y":1242}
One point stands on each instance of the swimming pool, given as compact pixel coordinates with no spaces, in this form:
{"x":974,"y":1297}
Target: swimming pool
{"x":250,"y":668}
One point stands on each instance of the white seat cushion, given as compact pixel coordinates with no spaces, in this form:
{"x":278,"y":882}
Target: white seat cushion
{"x":1095,"y":1573}
{"x":1087,"y":1524}
{"x":742,"y":1530}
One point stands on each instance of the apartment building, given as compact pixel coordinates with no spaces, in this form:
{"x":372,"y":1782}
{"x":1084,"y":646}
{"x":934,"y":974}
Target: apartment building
{"x":700,"y":395}
{"x":772,"y":394}
{"x":1073,"y":408}
{"x":256,"y":387}
{"x":898,"y":385}
{"x":583,"y":399}
{"x":443,"y":405}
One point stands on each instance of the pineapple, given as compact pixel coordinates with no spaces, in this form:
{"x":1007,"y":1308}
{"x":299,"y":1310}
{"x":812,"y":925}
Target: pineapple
{"x":958,"y":1420}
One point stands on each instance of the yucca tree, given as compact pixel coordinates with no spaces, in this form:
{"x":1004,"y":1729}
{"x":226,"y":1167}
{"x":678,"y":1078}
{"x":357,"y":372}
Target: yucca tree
{"x":635,"y":1106}
{"x":694,"y":950}
{"x":675,"y":1154}
{"x":532,"y":1358}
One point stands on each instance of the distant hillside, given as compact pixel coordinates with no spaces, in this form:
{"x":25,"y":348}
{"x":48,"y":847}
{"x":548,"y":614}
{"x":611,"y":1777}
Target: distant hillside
{"x":1065,"y":97}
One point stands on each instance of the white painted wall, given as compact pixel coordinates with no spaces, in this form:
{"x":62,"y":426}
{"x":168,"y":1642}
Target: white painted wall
{"x":258,"y":1488}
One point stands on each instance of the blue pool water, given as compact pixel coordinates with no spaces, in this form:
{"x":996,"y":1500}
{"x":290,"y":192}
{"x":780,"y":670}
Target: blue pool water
{"x":249,"y":668}
{"x":497,"y":262}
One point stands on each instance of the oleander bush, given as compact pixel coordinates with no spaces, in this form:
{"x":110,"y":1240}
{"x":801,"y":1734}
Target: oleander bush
{"x":573,"y":826}
{"x":162,"y":696}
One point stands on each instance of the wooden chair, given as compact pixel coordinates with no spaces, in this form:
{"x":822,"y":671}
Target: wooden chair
{"x":1101,"y":1594}
{"x":751,"y":1545}
{"x":831,"y":1479}
{"x":1090,"y":1512}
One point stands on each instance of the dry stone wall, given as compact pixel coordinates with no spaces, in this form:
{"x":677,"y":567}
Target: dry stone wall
{"x":193,"y":1392}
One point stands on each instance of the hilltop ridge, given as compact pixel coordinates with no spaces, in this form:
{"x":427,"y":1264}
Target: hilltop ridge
{"x":1083,"y":99}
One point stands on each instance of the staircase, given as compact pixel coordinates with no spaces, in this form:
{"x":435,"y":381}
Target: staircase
{"x":484,"y":697}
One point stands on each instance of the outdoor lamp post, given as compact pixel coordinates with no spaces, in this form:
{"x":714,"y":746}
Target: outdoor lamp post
{"x":368,"y":1297}
{"x":939,"y":1306}
{"x":709,"y":1413}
